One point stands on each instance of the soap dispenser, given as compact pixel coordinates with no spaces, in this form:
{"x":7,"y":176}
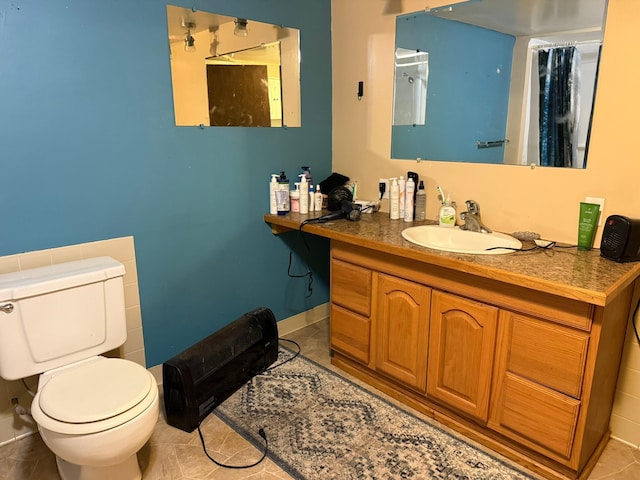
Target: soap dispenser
{"x":447,"y":215}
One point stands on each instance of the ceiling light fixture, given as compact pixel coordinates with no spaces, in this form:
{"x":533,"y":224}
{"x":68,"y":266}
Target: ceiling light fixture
{"x":240,"y":30}
{"x":189,"y":41}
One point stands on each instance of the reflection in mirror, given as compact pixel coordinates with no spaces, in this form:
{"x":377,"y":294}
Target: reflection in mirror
{"x":510,"y":81}
{"x":228,"y":71}
{"x":410,"y":90}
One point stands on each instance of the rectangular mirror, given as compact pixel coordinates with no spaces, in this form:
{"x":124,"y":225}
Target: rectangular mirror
{"x":228,"y":71}
{"x":509,"y":82}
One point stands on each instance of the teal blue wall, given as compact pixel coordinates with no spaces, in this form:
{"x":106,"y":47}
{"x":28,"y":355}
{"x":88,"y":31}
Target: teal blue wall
{"x":89,"y":151}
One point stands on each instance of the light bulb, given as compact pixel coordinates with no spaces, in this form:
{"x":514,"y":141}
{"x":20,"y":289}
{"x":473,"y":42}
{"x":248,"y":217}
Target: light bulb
{"x":189,"y":42}
{"x":240,"y":30}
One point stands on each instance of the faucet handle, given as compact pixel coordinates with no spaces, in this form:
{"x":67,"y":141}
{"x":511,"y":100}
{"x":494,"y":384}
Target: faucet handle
{"x":473,"y":207}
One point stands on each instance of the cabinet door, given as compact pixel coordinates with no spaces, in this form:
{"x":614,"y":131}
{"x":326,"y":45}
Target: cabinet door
{"x":461,"y":345}
{"x":402,"y":330}
{"x":538,"y":383}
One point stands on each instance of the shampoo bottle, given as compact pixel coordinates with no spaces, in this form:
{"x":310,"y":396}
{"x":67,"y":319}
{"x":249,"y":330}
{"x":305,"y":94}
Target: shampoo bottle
{"x":421,"y":202}
{"x":318,"y":198}
{"x":282,"y":194}
{"x":273,"y":186}
{"x":408,"y":204}
{"x":394,"y":200}
{"x":304,"y":194}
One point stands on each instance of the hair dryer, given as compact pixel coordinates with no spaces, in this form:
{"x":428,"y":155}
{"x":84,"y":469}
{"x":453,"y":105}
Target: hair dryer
{"x":340,"y":203}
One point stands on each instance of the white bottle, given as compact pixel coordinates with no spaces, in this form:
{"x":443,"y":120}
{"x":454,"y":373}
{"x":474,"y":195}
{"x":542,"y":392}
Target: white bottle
{"x":304,"y":194}
{"x":421,"y":202}
{"x":312,"y":203}
{"x":318,"y":198}
{"x":394,"y":200}
{"x":408,"y":204}
{"x":273,"y":186}
{"x":402,"y":184}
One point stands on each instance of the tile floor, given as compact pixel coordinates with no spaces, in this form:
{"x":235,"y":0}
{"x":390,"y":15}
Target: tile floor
{"x":172,"y":454}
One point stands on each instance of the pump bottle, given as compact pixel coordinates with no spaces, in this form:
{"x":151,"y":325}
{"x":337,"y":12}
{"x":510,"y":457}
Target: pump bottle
{"x":304,"y":194}
{"x":273,"y":186}
{"x":282,"y":194}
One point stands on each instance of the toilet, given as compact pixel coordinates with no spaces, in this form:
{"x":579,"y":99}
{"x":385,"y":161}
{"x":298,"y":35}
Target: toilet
{"x":93,"y":412}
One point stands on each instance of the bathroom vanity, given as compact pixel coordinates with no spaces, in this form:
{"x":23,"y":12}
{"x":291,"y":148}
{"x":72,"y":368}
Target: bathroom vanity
{"x":519,"y":352}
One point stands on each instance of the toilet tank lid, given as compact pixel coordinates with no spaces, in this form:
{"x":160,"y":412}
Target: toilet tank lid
{"x":36,"y":281}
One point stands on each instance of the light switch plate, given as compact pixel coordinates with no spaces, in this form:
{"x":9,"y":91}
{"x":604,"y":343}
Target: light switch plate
{"x":598,"y":201}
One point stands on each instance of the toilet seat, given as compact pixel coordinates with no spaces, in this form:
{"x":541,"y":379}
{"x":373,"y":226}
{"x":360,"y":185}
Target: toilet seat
{"x":94,"y":396}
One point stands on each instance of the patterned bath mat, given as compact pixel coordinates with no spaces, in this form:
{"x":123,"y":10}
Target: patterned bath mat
{"x":321,"y":426}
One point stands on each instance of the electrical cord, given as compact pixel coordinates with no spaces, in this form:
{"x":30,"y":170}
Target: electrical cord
{"x":295,"y":354}
{"x":261,"y":432}
{"x":224,"y":465}
{"x":309,"y":273}
{"x":549,"y":246}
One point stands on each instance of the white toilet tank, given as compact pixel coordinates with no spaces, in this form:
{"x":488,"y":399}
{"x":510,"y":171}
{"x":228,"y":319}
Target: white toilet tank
{"x":56,"y":315}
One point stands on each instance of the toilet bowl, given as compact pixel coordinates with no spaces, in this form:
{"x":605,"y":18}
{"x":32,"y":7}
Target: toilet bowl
{"x":95,"y":415}
{"x":93,"y":412}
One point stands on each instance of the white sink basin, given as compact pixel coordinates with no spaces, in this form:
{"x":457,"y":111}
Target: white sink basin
{"x":460,"y":241}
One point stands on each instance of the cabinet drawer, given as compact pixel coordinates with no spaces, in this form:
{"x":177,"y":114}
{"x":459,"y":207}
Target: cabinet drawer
{"x":350,"y":333}
{"x":351,"y":287}
{"x":536,"y":416}
{"x":547,"y":353}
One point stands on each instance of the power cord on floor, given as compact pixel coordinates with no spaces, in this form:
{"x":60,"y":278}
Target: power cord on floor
{"x":224,"y":465}
{"x":261,"y":432}
{"x":288,"y":359}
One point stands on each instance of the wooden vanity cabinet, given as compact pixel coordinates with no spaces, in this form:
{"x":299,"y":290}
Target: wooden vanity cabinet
{"x":528,"y":373}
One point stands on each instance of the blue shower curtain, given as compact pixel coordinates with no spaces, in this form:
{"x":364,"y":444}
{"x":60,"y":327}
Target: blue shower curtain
{"x":558,"y":106}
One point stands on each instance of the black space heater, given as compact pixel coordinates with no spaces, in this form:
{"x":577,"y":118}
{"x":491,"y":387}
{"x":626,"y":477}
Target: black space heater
{"x":199,"y":379}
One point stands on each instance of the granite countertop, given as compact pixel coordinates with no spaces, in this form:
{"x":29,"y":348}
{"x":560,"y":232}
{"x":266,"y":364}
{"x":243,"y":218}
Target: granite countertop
{"x":567,"y":272}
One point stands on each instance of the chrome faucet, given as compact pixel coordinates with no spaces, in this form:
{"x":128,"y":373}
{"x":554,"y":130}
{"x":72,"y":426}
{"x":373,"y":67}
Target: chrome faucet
{"x":472,"y":219}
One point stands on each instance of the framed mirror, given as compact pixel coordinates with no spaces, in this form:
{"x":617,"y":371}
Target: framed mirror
{"x":229,"y":71}
{"x":505,"y":82}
